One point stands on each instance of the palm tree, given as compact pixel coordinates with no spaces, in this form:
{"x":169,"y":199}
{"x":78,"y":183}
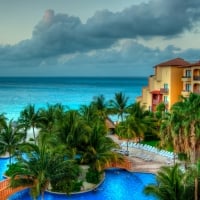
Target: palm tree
{"x":89,"y":114}
{"x":137,"y":110}
{"x":48,"y":118}
{"x":29,"y":118}
{"x":137,"y":122}
{"x":185,"y":129}
{"x":172,"y":133}
{"x":10,"y":139}
{"x":41,"y":167}
{"x":185,"y":120}
{"x":193,"y":173}
{"x":126,"y":130}
{"x":98,"y":153}
{"x":191,"y":111}
{"x":100,"y":106}
{"x":72,"y":130}
{"x":172,"y":184}
{"x":119,"y":105}
{"x":147,"y":123}
{"x":2,"y":120}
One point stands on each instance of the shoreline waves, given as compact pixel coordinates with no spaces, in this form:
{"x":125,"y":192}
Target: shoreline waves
{"x":17,"y":92}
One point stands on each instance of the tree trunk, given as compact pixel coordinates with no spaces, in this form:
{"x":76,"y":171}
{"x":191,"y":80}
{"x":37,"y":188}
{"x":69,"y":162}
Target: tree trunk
{"x":127,"y":145}
{"x":196,"y":189}
{"x":193,"y":143}
{"x":34,"y":134}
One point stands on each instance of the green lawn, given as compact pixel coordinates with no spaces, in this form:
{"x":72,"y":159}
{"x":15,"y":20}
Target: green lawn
{"x":153,"y":143}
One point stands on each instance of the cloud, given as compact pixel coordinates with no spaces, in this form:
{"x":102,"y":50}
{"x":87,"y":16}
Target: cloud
{"x":155,"y":18}
{"x":57,"y":36}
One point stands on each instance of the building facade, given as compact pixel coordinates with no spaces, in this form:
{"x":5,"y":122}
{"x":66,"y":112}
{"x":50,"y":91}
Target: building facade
{"x":171,"y":79}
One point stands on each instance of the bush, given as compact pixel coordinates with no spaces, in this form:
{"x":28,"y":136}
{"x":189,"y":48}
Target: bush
{"x":93,"y":176}
{"x":12,"y":169}
{"x":76,"y":186}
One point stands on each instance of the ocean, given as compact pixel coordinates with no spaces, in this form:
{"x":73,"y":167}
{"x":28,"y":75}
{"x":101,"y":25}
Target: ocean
{"x":17,"y":92}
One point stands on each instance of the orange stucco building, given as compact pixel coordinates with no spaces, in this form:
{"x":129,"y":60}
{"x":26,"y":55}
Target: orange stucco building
{"x":171,"y":79}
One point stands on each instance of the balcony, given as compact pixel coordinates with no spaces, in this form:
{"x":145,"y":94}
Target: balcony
{"x":196,"y":91}
{"x":164,"y":90}
{"x":185,"y":93}
{"x":186,"y":78}
{"x":155,"y":102}
{"x":196,"y":78}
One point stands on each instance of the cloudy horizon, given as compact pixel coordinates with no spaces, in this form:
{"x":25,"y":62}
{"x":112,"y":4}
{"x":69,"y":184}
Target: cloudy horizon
{"x":115,"y":40}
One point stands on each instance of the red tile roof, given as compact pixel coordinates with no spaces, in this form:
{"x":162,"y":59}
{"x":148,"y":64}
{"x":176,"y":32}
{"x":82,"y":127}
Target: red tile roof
{"x":195,"y":64}
{"x":175,"y":62}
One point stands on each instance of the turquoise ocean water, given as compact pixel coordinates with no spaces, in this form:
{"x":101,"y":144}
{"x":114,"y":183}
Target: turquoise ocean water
{"x":16,"y":93}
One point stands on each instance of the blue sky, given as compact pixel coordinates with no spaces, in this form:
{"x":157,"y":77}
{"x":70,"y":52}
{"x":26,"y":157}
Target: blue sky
{"x":96,"y":38}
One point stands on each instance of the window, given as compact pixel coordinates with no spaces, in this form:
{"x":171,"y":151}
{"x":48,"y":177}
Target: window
{"x":165,"y":99}
{"x":188,"y":87}
{"x":165,"y":86}
{"x":188,"y":73}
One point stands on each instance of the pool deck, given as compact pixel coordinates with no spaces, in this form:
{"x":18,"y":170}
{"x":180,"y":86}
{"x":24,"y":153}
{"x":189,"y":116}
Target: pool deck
{"x":139,"y":163}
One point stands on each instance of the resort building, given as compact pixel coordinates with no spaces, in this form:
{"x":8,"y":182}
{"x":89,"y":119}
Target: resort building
{"x":171,"y":79}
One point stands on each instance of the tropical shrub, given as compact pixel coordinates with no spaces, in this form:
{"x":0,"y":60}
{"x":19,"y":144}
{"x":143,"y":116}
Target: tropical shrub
{"x":93,"y":176}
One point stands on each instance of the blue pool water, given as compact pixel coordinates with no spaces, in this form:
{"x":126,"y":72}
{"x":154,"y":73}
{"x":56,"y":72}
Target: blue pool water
{"x":3,"y":166}
{"x":118,"y":185}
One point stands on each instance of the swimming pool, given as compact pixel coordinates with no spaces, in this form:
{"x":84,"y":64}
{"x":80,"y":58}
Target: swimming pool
{"x":118,"y":185}
{"x":3,"y":166}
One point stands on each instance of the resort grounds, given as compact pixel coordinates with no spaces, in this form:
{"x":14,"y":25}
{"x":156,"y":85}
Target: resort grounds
{"x":143,"y":160}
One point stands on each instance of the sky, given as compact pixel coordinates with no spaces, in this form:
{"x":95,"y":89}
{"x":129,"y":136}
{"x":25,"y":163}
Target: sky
{"x":96,"y":38}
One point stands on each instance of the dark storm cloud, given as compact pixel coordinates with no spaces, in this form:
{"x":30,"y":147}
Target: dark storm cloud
{"x":156,"y":18}
{"x":59,"y":34}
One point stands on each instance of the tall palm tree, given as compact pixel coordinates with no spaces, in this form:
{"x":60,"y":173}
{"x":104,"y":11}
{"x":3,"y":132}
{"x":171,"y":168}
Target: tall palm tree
{"x":98,"y":153}
{"x":185,"y":128}
{"x":137,"y":122}
{"x":29,"y":118}
{"x":147,"y":123}
{"x":10,"y":139}
{"x":172,"y":184}
{"x":172,"y":133}
{"x":193,"y":173}
{"x":192,"y":113}
{"x":127,"y":130}
{"x":137,"y":110}
{"x":48,"y":118}
{"x":89,"y":114}
{"x":119,"y":104}
{"x":101,"y":106}
{"x":185,"y":121}
{"x":41,"y":167}
{"x":72,"y":130}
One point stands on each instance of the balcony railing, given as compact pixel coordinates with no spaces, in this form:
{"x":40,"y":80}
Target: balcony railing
{"x":196,"y":78}
{"x":185,"y":93}
{"x":164,"y":90}
{"x":186,"y":78}
{"x":166,"y":102}
{"x":155,"y":102}
{"x":196,"y":91}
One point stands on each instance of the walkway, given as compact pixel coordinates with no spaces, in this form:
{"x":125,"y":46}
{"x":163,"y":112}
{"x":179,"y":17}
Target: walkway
{"x":142,"y":160}
{"x":6,"y":190}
